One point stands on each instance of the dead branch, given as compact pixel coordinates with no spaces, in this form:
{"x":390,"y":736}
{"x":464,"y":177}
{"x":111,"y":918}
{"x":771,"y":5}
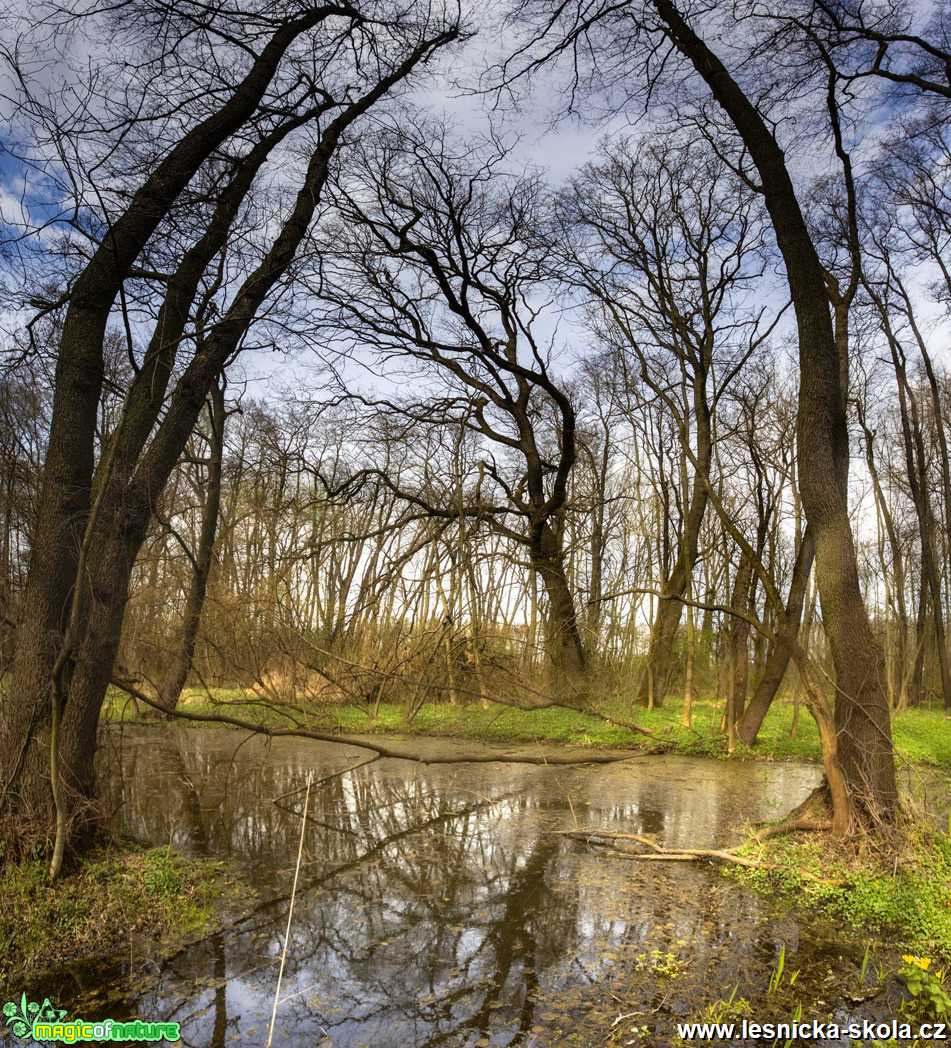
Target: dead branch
{"x":657,"y":853}
{"x":397,"y":749}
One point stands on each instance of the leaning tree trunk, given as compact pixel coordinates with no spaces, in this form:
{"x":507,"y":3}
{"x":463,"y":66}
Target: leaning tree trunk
{"x":862,"y":720}
{"x":780,"y":653}
{"x":47,"y":775}
{"x":180,"y":665}
{"x":86,"y":669}
{"x":64,"y":504}
{"x":916,"y":465}
{"x":789,"y":618}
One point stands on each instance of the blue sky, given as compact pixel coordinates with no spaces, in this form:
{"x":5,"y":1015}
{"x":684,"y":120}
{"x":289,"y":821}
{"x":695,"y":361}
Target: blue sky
{"x":558,"y":147}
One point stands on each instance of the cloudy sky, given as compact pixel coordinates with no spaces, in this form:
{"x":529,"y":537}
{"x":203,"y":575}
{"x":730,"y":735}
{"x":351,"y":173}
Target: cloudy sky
{"x":541,"y":137}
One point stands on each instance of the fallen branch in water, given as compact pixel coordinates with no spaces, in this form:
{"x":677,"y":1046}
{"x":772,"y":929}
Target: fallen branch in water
{"x":383,"y":747}
{"x":608,"y":839}
{"x":657,"y":853}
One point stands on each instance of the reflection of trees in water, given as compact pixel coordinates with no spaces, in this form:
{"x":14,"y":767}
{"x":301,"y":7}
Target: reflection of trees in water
{"x":436,"y":933}
{"x":208,"y":796}
{"x":521,"y":941}
{"x":429,"y":914}
{"x":431,"y":911}
{"x":220,"y":971}
{"x":204,"y":1017}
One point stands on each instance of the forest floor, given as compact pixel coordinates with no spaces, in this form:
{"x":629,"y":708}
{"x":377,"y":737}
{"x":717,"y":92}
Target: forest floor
{"x":894,"y":887}
{"x":922,"y":736}
{"x":120,"y":900}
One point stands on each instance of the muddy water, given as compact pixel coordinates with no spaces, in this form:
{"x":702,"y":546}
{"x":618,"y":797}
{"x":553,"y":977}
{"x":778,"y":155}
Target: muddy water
{"x":437,"y":906}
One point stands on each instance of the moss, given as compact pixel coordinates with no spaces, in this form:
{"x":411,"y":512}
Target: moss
{"x":922,"y":736}
{"x":118,"y":899}
{"x":900,"y":893}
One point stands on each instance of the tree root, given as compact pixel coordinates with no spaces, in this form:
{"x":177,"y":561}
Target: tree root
{"x":800,"y":825}
{"x":817,"y":805}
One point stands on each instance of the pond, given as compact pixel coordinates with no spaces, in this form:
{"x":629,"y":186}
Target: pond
{"x":438,"y":904}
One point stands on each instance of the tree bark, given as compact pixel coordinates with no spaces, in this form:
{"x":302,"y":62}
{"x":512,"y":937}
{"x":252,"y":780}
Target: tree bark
{"x":180,"y":665}
{"x":916,"y":464}
{"x":562,"y":634}
{"x":900,"y":671}
{"x":864,"y":744}
{"x":686,"y":716}
{"x":787,"y":632}
{"x":738,"y":650}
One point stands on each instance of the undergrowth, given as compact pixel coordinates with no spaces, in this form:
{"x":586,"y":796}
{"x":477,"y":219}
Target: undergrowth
{"x":900,"y":892}
{"x":117,"y":900}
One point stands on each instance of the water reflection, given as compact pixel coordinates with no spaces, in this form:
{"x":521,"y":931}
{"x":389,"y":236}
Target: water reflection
{"x":436,"y":905}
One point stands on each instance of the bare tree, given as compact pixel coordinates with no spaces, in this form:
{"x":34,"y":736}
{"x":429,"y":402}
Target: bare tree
{"x":317,"y":70}
{"x":633,"y":43}
{"x":437,"y":262}
{"x":665,"y":240}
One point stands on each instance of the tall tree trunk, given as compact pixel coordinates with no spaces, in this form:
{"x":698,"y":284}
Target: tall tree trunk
{"x":180,"y":664}
{"x":789,"y":618}
{"x":810,"y":615}
{"x":660,"y":655}
{"x":899,"y":676}
{"x":597,"y":547}
{"x":787,"y":632}
{"x":916,"y":464}
{"x":686,"y":716}
{"x":862,"y":718}
{"x":70,"y":643}
{"x":562,"y":635}
{"x":738,"y":651}
{"x":917,"y":686}
{"x":64,"y":504}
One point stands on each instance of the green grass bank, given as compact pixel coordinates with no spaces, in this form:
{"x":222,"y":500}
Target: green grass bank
{"x":922,"y":736}
{"x":898,"y":888}
{"x":119,"y":901}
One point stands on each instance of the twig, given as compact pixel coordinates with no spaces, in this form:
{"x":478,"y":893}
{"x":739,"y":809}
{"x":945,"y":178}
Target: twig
{"x":659,"y":854}
{"x":290,"y":913}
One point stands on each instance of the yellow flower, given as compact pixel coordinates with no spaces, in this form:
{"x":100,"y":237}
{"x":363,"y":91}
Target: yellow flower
{"x":924,"y":963}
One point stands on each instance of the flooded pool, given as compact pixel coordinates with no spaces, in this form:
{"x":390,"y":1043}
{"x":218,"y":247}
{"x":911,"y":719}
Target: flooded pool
{"x":437,"y":904}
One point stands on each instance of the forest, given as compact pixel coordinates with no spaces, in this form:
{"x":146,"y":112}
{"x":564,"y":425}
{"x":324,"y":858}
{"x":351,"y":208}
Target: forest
{"x":568,"y":381}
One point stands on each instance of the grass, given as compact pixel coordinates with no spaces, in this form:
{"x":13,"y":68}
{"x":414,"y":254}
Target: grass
{"x":922,"y":736}
{"x":898,"y":891}
{"x":117,"y":900}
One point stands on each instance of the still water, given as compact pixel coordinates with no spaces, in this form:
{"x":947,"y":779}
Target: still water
{"x":438,"y":906}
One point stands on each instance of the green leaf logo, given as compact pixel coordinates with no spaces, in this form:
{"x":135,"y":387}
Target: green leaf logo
{"x":23,"y":1014}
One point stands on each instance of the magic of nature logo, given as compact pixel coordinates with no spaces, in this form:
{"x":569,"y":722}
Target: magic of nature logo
{"x":46,"y":1023}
